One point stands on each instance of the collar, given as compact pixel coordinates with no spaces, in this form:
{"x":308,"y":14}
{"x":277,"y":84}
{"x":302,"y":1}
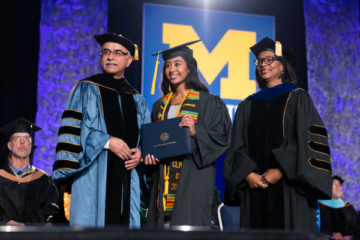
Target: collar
{"x":24,"y":170}
{"x":268,"y":94}
{"x":334,"y":203}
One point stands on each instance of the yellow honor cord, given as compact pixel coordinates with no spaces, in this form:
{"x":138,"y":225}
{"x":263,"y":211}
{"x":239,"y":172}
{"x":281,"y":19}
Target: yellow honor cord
{"x":278,"y":49}
{"x":136,"y":54}
{"x":166,"y":186}
{"x":155,"y":74}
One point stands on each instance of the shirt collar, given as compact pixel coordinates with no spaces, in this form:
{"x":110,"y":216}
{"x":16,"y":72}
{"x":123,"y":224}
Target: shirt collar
{"x":24,"y":170}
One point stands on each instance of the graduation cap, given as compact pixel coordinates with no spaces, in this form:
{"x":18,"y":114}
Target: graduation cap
{"x":280,"y":50}
{"x":112,"y":37}
{"x":181,"y":50}
{"x":338,"y":178}
{"x":19,"y":125}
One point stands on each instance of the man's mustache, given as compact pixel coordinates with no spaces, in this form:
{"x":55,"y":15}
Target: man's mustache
{"x":111,"y":62}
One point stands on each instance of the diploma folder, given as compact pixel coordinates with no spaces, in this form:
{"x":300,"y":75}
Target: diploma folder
{"x":165,"y":139}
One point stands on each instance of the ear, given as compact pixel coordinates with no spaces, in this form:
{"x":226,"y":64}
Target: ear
{"x":129,"y":61}
{"x":9,"y":146}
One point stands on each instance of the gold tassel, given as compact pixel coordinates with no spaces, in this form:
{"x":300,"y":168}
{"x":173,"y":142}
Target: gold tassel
{"x":278,"y":49}
{"x":155,"y":74}
{"x":136,"y":55}
{"x":166,"y":188}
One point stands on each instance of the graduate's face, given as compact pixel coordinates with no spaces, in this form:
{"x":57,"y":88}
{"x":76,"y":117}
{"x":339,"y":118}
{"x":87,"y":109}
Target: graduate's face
{"x":337,"y":191}
{"x":269,"y":72}
{"x":20,"y":145}
{"x":176,"y":70}
{"x":115,"y":62}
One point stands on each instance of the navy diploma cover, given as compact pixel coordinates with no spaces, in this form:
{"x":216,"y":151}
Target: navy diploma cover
{"x":165,"y":139}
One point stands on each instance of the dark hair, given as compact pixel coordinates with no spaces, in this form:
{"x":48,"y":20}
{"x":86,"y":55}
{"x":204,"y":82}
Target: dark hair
{"x":192,"y":80}
{"x":287,"y":77}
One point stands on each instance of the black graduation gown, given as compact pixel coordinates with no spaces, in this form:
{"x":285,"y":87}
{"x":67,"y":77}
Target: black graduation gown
{"x":285,"y":133}
{"x":30,"y":199}
{"x":343,"y":220}
{"x":194,"y":195}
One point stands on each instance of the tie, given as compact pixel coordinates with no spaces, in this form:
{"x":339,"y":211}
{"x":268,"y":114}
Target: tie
{"x":20,"y":173}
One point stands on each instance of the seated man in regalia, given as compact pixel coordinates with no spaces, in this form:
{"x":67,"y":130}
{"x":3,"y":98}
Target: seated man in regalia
{"x":27,"y":194}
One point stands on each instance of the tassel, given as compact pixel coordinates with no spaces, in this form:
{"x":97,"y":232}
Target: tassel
{"x":166,"y":187}
{"x":136,"y":55}
{"x":155,"y":74}
{"x":278,"y":49}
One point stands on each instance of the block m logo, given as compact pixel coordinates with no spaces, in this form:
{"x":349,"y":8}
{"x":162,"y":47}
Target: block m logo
{"x":233,"y":48}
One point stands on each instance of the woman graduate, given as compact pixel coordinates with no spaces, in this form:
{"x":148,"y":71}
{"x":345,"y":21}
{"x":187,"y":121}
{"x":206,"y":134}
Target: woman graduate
{"x":278,"y":163}
{"x":191,"y":178}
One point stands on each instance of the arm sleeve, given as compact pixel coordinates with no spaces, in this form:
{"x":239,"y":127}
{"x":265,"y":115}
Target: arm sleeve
{"x":237,"y":164}
{"x":212,"y":132}
{"x":51,"y":205}
{"x":305,"y":157}
{"x":82,"y":133}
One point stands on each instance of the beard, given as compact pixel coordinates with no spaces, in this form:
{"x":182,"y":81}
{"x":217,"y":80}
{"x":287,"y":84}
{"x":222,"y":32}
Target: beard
{"x":21,"y":154}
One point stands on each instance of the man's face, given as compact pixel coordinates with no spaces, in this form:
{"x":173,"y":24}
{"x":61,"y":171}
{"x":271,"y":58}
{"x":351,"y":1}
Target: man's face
{"x":337,"y":191}
{"x":115,"y":62}
{"x":20,"y":145}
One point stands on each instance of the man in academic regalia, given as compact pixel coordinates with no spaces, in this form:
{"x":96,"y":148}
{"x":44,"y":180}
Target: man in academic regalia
{"x":338,"y":218}
{"x":98,"y":146}
{"x":27,"y":194}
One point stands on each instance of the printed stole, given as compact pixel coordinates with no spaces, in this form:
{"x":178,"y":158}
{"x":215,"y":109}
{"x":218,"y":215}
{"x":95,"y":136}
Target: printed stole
{"x":120,"y":123}
{"x":172,"y":167}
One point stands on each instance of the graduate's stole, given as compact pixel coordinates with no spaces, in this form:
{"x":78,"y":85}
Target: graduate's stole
{"x":172,"y":169}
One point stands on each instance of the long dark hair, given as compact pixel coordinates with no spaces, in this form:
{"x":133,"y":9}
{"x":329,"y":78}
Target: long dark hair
{"x":192,"y":80}
{"x":287,"y":77}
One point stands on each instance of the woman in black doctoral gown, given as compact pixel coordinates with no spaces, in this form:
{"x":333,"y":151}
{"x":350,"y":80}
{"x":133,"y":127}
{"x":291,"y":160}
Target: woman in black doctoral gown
{"x":278,"y":163}
{"x":191,"y":178}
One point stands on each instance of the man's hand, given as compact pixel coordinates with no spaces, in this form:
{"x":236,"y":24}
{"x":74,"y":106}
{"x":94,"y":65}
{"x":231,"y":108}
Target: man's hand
{"x":271,"y":176}
{"x":188,"y":121}
{"x":337,"y":236}
{"x":120,"y":148}
{"x":254,"y":181}
{"x":13,"y":223}
{"x":150,"y":160}
{"x":134,"y":160}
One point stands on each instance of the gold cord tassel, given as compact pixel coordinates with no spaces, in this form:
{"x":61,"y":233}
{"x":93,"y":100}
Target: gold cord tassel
{"x":166,"y":187}
{"x":278,"y":49}
{"x":155,"y":74}
{"x":136,"y":55}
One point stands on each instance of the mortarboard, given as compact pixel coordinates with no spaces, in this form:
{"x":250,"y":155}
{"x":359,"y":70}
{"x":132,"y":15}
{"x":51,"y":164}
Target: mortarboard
{"x":284,"y":50}
{"x":338,"y":178}
{"x":181,"y":50}
{"x":19,"y":125}
{"x":112,"y":37}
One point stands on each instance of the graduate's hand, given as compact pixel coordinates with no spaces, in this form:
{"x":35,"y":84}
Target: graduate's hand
{"x":120,"y":148}
{"x":13,"y":223}
{"x":151,"y":160}
{"x":254,"y":180}
{"x":134,"y":160}
{"x":350,"y":237}
{"x":188,"y":121}
{"x":271,"y":176}
{"x":337,"y":236}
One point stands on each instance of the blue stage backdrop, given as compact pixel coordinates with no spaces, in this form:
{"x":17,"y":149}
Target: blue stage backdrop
{"x":224,"y":59}
{"x":68,"y":53}
{"x":333,"y":52}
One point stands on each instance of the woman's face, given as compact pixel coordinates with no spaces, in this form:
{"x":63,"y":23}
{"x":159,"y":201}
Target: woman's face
{"x":268,"y":71}
{"x":176,"y":70}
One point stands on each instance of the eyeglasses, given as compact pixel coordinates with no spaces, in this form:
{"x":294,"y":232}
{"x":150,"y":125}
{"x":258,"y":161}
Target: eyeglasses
{"x":267,"y":60}
{"x":117,"y":53}
{"x":18,"y":138}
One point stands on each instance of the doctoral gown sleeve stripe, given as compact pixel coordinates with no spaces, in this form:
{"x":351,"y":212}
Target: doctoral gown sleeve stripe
{"x":318,"y":130}
{"x":70,"y":130}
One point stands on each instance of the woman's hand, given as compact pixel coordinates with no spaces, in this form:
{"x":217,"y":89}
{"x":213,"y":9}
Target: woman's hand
{"x":150,"y":160}
{"x":254,"y":181}
{"x":188,"y":121}
{"x":271,"y":176}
